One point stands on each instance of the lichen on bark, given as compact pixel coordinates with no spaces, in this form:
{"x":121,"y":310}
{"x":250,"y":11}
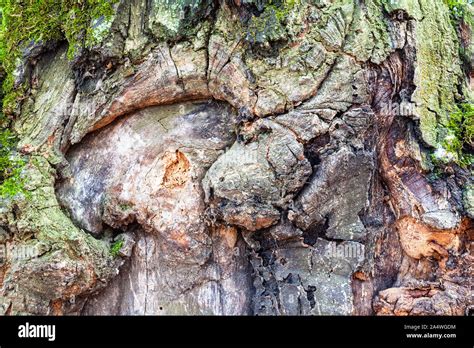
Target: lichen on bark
{"x":438,"y":69}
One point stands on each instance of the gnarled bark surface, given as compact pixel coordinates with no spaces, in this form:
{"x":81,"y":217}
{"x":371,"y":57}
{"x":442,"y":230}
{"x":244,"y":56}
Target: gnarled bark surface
{"x":248,"y":164}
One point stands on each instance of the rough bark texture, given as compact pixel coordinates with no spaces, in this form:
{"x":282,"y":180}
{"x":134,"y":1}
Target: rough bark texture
{"x":249,"y":164}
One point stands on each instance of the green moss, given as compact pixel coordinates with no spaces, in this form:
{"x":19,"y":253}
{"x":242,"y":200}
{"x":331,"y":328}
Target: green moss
{"x":115,"y":247}
{"x":11,"y":95}
{"x":468,"y":123}
{"x":270,"y":24}
{"x":265,"y":28}
{"x":24,"y":23}
{"x":284,"y":9}
{"x":456,"y":133}
{"x":459,"y":134}
{"x":460,"y":11}
{"x":438,"y":65}
{"x":11,"y":166}
{"x":462,"y":16}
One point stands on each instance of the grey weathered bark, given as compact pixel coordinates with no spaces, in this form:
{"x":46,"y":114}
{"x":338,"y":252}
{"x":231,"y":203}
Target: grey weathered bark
{"x":251,"y":164}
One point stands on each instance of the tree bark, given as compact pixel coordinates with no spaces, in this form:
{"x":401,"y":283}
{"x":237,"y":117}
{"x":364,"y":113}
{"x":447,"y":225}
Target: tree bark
{"x":244,"y":159}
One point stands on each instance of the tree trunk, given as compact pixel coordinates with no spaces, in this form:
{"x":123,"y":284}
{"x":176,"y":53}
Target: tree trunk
{"x":244,"y":157}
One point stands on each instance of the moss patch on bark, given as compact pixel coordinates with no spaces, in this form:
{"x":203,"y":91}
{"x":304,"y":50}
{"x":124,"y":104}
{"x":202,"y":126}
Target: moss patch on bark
{"x":26,"y":24}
